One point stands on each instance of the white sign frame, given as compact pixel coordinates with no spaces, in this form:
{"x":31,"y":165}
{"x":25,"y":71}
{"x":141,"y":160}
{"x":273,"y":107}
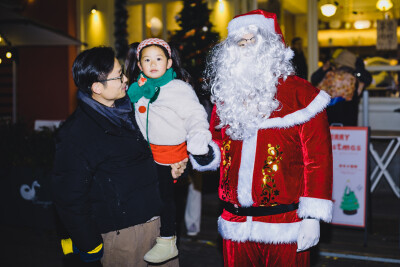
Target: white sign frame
{"x":350,"y":164}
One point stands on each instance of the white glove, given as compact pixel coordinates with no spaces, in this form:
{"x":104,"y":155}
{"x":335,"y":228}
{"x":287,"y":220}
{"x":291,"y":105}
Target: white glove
{"x":197,"y":144}
{"x":308,"y":234}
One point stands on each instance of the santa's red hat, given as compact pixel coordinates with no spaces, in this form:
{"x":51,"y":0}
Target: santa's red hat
{"x":259,"y":18}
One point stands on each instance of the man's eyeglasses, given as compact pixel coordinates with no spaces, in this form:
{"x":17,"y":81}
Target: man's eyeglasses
{"x":121,"y":78}
{"x":243,"y":42}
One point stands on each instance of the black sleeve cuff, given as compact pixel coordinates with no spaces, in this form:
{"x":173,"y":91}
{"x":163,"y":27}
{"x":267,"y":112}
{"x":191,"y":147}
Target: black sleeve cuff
{"x":205,"y":159}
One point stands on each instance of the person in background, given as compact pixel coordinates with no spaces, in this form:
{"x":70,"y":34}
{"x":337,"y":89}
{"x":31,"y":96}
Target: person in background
{"x":104,"y":182}
{"x":363,"y":76}
{"x":193,"y":204}
{"x":345,"y":81}
{"x":276,"y":151}
{"x":299,"y":60}
{"x":328,"y":65}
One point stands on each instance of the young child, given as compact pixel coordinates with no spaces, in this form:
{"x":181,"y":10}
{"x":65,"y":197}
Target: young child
{"x":172,"y":120}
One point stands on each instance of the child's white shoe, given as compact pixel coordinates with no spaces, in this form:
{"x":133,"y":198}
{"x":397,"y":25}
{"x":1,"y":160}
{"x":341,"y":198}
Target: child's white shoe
{"x":165,"y":249}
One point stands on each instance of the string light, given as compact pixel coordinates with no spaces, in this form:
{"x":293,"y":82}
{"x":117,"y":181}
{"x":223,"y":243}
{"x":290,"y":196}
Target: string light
{"x":8,"y":55}
{"x":384,"y":5}
{"x":362,"y":24}
{"x":94,"y":9}
{"x":328,"y":10}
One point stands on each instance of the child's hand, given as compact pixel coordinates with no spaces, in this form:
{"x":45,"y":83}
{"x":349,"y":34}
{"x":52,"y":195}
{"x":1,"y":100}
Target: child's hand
{"x":142,"y":80}
{"x":178,"y":168}
{"x":197,"y":144}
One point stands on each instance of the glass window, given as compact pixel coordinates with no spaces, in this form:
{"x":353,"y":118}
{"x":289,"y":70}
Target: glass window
{"x":135,"y":28}
{"x":173,"y":9}
{"x":96,"y":30}
{"x":222,"y":12}
{"x":154,"y":21}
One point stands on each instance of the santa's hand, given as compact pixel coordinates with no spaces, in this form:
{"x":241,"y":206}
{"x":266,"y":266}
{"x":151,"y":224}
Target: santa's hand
{"x":178,"y":168}
{"x":308,"y":234}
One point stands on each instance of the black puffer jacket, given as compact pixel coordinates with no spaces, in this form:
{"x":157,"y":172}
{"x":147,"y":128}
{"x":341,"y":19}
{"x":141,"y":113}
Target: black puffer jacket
{"x":104,"y":177}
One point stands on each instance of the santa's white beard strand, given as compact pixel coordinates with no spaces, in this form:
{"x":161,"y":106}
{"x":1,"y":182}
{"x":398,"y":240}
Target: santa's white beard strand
{"x":244,"y":83}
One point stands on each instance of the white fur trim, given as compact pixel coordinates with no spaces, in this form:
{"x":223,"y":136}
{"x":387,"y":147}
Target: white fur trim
{"x":254,"y":19}
{"x":213,"y":165}
{"x":245,"y":179}
{"x":317,"y":208}
{"x":319,"y":103}
{"x":275,"y":233}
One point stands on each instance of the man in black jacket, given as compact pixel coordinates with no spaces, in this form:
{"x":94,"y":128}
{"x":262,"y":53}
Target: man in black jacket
{"x":105,"y":185}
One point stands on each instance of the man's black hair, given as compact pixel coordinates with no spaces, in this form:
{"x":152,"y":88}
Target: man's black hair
{"x":92,"y":65}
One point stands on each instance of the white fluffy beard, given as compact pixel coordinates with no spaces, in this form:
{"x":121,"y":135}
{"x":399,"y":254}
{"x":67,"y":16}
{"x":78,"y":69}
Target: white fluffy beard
{"x":244,"y":79}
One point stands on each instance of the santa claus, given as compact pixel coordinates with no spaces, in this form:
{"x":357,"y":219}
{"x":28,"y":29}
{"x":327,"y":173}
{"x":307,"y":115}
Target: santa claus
{"x":276,"y":158}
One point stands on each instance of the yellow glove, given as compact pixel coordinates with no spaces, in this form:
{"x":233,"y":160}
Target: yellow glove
{"x":66,"y":245}
{"x":90,"y":256}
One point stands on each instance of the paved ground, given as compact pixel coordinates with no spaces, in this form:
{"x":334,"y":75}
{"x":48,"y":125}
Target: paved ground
{"x":26,"y":246}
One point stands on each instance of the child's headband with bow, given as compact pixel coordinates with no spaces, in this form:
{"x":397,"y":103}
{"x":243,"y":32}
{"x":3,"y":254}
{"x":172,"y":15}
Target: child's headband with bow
{"x":152,"y":41}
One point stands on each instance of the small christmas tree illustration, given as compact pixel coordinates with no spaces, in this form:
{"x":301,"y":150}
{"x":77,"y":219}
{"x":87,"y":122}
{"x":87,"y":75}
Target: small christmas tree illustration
{"x":349,"y":203}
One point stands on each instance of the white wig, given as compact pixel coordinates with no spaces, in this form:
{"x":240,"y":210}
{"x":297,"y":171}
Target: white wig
{"x":243,"y":80}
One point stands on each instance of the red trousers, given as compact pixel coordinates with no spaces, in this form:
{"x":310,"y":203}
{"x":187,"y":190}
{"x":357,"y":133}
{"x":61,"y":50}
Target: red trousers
{"x":252,"y":254}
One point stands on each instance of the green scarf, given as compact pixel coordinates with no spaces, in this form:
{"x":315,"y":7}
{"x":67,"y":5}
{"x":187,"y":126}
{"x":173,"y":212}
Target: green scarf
{"x":149,"y":88}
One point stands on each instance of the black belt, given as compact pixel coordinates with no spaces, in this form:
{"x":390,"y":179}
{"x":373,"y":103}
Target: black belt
{"x":259,"y":211}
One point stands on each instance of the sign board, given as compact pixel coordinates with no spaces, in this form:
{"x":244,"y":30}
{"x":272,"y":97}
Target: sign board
{"x":350,"y":151}
{"x":386,"y":34}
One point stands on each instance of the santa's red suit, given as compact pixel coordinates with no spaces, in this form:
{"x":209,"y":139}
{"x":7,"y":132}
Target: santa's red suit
{"x":288,"y":161}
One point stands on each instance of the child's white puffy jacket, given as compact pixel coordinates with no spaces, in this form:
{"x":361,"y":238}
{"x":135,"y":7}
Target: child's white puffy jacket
{"x":175,"y":117}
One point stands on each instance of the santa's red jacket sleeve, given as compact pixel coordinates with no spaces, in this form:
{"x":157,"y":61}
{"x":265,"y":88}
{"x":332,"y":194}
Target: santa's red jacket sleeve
{"x":289,"y":160}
